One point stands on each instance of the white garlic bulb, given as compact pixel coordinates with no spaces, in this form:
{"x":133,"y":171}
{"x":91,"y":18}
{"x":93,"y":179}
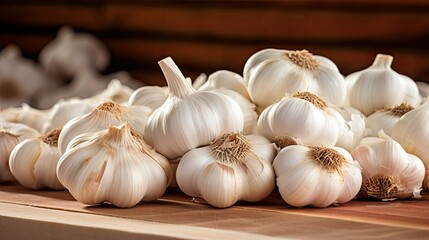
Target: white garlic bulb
{"x":189,"y":118}
{"x":412,"y":131}
{"x":72,"y":52}
{"x":316,"y":176}
{"x":303,"y":116}
{"x":233,"y":167}
{"x":296,"y":71}
{"x":150,"y":96}
{"x":105,"y":115}
{"x":388,"y":171}
{"x":379,"y":86}
{"x":224,"y":79}
{"x":10,"y":135}
{"x":33,"y":162}
{"x":385,"y":118}
{"x":64,"y":111}
{"x":114,"y":166}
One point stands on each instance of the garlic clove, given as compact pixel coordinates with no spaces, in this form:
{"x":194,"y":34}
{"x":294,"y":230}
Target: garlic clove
{"x":248,"y":108}
{"x":219,"y":185}
{"x":33,"y":162}
{"x":189,"y":170}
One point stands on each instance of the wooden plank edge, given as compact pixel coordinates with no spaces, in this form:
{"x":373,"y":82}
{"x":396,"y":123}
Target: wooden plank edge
{"x":29,"y":222}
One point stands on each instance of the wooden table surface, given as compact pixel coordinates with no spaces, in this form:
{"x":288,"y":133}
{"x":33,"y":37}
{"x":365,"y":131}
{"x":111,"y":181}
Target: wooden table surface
{"x":30,"y":214}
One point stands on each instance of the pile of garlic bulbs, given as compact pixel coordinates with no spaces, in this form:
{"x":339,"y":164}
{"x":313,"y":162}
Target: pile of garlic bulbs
{"x":290,"y":120}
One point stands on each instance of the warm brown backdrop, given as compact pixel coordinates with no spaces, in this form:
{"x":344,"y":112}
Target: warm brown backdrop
{"x":205,"y":36}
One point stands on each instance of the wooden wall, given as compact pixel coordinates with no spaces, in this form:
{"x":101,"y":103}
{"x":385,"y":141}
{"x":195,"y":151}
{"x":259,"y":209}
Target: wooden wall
{"x":205,"y":36}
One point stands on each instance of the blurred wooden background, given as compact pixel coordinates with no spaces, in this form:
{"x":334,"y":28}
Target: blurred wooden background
{"x":205,"y":36}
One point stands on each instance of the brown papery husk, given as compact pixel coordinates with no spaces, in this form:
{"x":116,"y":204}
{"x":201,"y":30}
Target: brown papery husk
{"x":381,"y":187}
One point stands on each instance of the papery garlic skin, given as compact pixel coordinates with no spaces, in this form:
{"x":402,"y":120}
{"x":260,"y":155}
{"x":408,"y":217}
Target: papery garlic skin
{"x":189,"y":118}
{"x":379,"y":86}
{"x":232,"y":168}
{"x":224,"y":79}
{"x":105,"y":115}
{"x":310,"y":121}
{"x":384,"y":119}
{"x":10,"y":135}
{"x":150,"y":96}
{"x":412,"y":131}
{"x":316,"y":176}
{"x":114,"y":166}
{"x":33,"y":162}
{"x":423,"y":89}
{"x":296,"y":71}
{"x":388,"y":171}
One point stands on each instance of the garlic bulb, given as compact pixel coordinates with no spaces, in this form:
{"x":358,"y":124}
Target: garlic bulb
{"x":233,"y":167}
{"x":33,"y":162}
{"x":379,"y":86}
{"x":71,"y":53}
{"x":250,"y":116}
{"x":199,"y":81}
{"x":385,"y":118}
{"x":20,"y":78}
{"x":388,"y":171}
{"x":316,"y":176}
{"x":224,"y":79}
{"x":296,"y":71}
{"x":10,"y":135}
{"x":150,"y":96}
{"x":303,"y":116}
{"x":25,"y":114}
{"x":64,"y":111}
{"x":189,"y":118}
{"x":105,"y":115}
{"x":114,"y":166}
{"x":412,"y":131}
